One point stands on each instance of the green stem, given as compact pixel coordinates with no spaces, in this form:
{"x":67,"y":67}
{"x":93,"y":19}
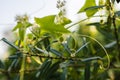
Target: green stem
{"x":22,"y":67}
{"x":116,"y":36}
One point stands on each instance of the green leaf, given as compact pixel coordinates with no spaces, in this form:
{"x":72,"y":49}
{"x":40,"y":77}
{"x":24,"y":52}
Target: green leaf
{"x":19,"y":25}
{"x":91,"y":58}
{"x":22,"y":32}
{"x":22,"y":29}
{"x":63,"y":20}
{"x":9,"y":43}
{"x":47,"y":24}
{"x":65,"y":45}
{"x":56,"y":52}
{"x":27,"y":24}
{"x":87,"y":5}
{"x":64,"y":74}
{"x":110,"y":45}
{"x":87,"y":71}
{"x":96,"y":68}
{"x":52,"y":70}
{"x":12,"y":65}
{"x":109,"y":21}
{"x":101,"y":2}
{"x":90,"y":13}
{"x":36,"y":59}
{"x":66,"y":21}
{"x":2,"y":65}
{"x":13,"y":57}
{"x":71,"y":42}
{"x":46,"y":42}
{"x":82,"y":47}
{"x":94,"y":7}
{"x":40,"y":50}
{"x":43,"y":69}
{"x":17,"y":77}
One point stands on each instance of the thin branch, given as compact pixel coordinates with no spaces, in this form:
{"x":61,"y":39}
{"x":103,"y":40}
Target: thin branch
{"x":18,"y":71}
{"x":84,"y":20}
{"x":61,"y":58}
{"x":116,"y":35}
{"x":68,"y":58}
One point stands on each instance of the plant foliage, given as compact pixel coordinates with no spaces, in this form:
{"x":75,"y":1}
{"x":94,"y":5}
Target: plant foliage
{"x":50,"y":51}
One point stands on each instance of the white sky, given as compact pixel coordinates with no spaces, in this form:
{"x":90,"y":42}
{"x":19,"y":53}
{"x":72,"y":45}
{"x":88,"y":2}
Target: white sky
{"x":34,"y":8}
